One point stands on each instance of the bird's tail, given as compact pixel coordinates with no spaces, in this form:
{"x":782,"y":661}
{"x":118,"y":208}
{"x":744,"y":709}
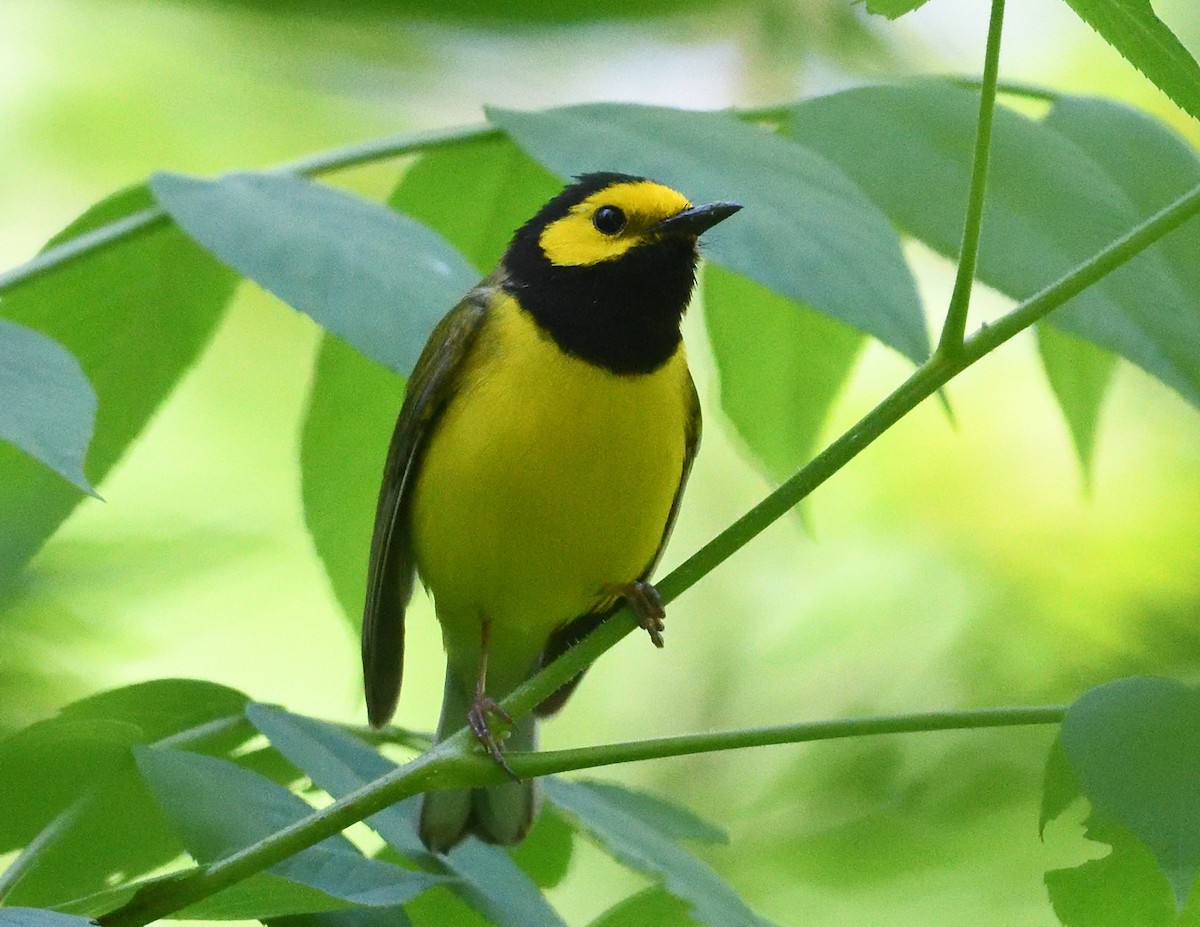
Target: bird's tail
{"x":497,"y":814}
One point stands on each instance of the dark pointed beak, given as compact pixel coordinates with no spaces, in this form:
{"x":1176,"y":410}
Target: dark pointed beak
{"x":697,"y":220}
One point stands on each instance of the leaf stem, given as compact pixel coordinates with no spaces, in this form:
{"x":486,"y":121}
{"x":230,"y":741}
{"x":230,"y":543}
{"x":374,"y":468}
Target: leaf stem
{"x":528,"y":765}
{"x":951,"y":341}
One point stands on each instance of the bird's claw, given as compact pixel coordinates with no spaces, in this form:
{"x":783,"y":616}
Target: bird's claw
{"x":477,"y":718}
{"x":647,"y":607}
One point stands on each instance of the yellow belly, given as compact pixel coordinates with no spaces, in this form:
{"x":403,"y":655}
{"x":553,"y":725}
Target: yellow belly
{"x":545,"y":480}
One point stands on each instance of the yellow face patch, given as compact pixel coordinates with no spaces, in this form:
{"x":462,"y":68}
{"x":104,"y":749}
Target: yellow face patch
{"x":582,"y":237}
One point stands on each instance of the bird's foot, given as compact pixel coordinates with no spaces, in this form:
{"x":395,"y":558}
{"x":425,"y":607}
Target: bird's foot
{"x":647,"y":607}
{"x":477,"y":718}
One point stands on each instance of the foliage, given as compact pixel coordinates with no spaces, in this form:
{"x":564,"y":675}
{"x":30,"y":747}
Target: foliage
{"x":175,"y":806}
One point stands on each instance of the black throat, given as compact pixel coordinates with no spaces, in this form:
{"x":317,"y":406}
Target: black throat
{"x":622,"y":315}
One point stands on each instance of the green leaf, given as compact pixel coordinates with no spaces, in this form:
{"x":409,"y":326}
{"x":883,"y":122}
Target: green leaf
{"x":1153,"y":167}
{"x":34,"y":917}
{"x":1144,"y":40}
{"x":352,"y":407}
{"x":806,"y":231}
{"x":504,"y":186}
{"x":1059,"y":787}
{"x":1123,"y":889}
{"x":1151,"y":163}
{"x":261,"y":895}
{"x":353,"y":917}
{"x":649,"y":906}
{"x":83,"y":812}
{"x":545,"y":854}
{"x":47,"y":406}
{"x":1049,"y":206}
{"x":485,"y":877}
{"x":1080,"y":374}
{"x":1134,"y":746}
{"x":112,"y":831}
{"x":265,"y":895}
{"x":894,"y":9}
{"x":154,"y":297}
{"x":161,"y":707}
{"x":219,"y":808}
{"x":641,"y":846}
{"x":781,"y":367}
{"x":375,"y":279}
{"x":50,"y":765}
{"x":673,"y":821}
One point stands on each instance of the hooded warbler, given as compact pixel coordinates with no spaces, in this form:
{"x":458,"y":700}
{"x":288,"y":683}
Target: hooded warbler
{"x":537,"y":466}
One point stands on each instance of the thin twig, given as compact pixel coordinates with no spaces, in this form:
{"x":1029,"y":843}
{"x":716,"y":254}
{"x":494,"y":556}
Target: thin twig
{"x":951,"y":341}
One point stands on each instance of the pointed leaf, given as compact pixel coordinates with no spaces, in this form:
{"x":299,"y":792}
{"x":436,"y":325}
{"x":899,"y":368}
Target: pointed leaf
{"x":220,"y":808}
{"x":152,"y":300}
{"x":266,"y":895}
{"x":1146,"y":42}
{"x":671,"y":820}
{"x":113,"y":832}
{"x":1049,"y":206}
{"x":781,"y":367}
{"x":260,"y":895}
{"x":1134,"y":746}
{"x":53,"y":763}
{"x":1151,"y":163}
{"x":352,"y":407}
{"x":161,"y":707}
{"x":487,"y":878}
{"x":1080,"y":374}
{"x":1059,"y":787}
{"x":1121,"y":889}
{"x":806,"y":231}
{"x":84,"y":813}
{"x":639,"y":845}
{"x":649,"y":906}
{"x":505,"y":184}
{"x":375,"y":279}
{"x":47,"y":406}
{"x":353,"y":917}
{"x":545,"y":854}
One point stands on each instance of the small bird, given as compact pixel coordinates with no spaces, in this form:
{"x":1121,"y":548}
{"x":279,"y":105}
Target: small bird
{"x":536,"y":468}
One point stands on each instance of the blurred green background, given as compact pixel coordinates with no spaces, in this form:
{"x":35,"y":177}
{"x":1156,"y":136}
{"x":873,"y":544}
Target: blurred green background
{"x":957,"y":563}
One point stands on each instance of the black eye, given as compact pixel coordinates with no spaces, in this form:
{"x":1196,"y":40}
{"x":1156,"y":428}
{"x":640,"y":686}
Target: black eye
{"x":608,"y":219}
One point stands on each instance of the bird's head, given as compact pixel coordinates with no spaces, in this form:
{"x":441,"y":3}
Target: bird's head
{"x":607,"y":267}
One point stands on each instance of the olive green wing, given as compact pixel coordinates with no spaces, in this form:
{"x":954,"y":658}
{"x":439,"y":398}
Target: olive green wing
{"x":392,"y":567}
{"x":574,"y":631}
{"x":693,"y":426}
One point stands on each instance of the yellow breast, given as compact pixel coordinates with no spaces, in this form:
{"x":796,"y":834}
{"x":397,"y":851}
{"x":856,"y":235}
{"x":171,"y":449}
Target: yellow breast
{"x":545,"y":479}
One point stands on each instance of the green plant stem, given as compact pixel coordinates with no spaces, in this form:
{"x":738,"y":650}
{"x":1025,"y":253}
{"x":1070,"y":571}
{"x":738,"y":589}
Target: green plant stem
{"x":529,"y":765}
{"x":325,"y":162}
{"x":951,"y":341}
{"x":454,"y":763}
